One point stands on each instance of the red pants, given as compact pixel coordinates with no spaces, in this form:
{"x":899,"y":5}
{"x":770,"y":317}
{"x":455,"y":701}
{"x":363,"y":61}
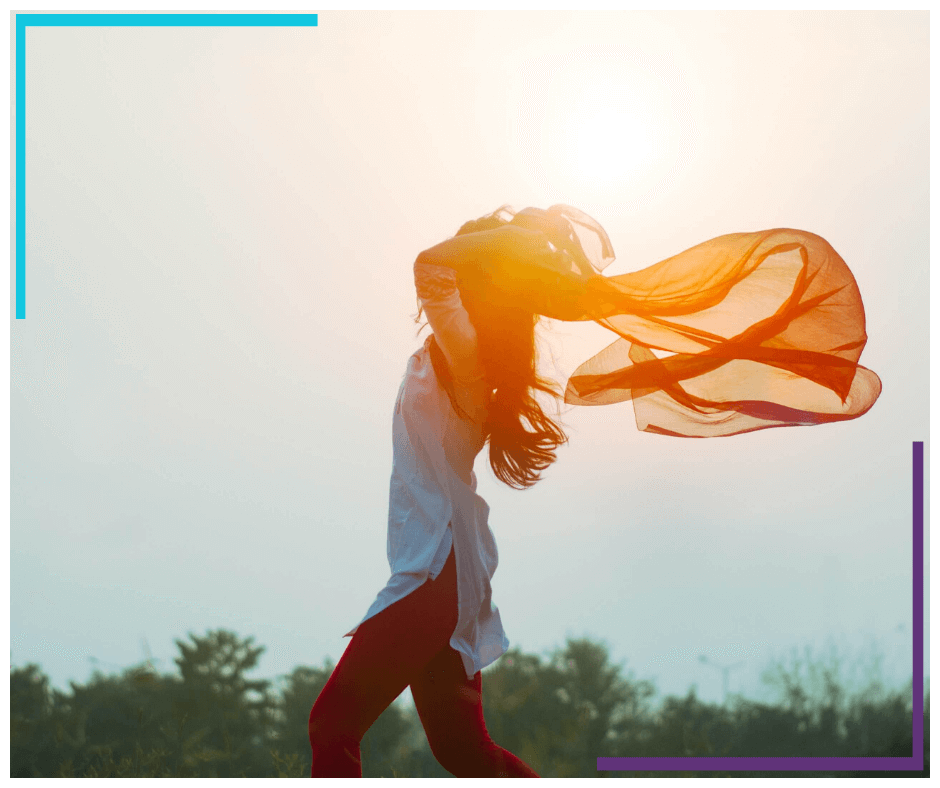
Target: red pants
{"x":408,"y":644}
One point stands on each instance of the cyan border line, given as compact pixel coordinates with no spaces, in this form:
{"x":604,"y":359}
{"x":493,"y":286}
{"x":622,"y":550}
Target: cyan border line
{"x":914,"y":763}
{"x":168,"y":20}
{"x":20,"y":168}
{"x":104,"y":20}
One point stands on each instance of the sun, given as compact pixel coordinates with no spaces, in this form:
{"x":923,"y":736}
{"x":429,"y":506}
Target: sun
{"x":612,"y":138}
{"x":597,"y":129}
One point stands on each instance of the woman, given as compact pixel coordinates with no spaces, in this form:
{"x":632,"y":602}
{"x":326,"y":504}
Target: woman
{"x":434,"y":626}
{"x":750,"y":331}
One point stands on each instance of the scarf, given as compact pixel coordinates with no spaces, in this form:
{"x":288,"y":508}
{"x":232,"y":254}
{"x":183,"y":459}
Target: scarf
{"x":742,"y":332}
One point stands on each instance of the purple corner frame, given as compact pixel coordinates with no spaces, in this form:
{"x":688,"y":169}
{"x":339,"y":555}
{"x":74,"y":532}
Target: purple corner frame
{"x":913,"y":763}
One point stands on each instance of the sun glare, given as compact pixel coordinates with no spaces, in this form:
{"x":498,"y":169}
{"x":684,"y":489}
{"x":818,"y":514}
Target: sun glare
{"x":612,"y":142}
{"x":600,"y":127}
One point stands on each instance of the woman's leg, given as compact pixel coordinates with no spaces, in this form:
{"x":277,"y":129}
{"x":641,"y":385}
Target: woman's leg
{"x":451,"y":710}
{"x":385,"y":655}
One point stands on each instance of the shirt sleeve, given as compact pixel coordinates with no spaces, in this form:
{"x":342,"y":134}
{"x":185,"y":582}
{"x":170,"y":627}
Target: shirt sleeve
{"x":455,"y":334}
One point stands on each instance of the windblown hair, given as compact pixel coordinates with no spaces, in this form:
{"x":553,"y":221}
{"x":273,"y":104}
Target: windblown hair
{"x":522,"y":438}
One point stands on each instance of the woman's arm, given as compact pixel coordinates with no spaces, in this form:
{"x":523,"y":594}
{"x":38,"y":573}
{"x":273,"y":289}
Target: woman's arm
{"x":440,"y":298}
{"x":515,"y":266}
{"x":440,"y":270}
{"x":500,"y":245}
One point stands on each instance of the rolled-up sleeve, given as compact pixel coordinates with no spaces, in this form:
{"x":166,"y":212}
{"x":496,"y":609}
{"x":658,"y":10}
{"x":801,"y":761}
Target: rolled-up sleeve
{"x":440,"y":298}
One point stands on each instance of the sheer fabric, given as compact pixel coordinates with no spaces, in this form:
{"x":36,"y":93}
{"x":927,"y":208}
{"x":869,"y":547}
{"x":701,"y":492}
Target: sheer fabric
{"x":742,"y":332}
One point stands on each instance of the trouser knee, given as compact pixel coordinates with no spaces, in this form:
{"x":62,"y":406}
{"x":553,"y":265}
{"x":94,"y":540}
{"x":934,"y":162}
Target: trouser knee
{"x":318,"y":728}
{"x":324,"y":729}
{"x":467,"y":758}
{"x":335,"y":751}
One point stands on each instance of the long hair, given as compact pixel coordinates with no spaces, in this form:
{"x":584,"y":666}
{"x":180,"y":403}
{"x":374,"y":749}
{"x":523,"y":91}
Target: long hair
{"x":522,"y":438}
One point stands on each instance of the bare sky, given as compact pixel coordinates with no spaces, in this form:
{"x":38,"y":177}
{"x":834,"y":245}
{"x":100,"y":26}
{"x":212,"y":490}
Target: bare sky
{"x":221,"y":225}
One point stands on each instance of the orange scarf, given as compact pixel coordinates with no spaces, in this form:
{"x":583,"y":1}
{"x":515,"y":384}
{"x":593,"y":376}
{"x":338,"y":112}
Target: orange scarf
{"x":754,"y":330}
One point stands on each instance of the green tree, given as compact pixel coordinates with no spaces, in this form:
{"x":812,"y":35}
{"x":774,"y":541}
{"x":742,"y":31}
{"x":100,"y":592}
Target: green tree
{"x":300,"y":689}
{"x":232,"y":716}
{"x":32,"y":730}
{"x":560,"y":715}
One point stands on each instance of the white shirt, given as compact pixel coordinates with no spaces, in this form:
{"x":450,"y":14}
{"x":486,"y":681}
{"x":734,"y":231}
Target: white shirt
{"x":433,"y":503}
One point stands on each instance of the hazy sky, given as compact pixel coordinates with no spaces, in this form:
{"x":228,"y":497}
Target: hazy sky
{"x":221,"y":225}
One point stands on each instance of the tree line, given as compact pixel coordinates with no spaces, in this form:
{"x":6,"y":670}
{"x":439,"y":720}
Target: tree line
{"x":557,"y":713}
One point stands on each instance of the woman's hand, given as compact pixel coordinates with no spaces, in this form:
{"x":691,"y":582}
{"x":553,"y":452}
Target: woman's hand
{"x":526,"y":263}
{"x":508,"y":244}
{"x":519,"y":244}
{"x":513,"y":266}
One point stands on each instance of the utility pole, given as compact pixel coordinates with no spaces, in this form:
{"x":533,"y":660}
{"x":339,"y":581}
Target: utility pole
{"x":725,"y":670}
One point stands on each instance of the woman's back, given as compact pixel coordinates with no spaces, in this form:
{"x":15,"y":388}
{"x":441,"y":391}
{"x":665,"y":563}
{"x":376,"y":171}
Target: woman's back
{"x":433,"y":503}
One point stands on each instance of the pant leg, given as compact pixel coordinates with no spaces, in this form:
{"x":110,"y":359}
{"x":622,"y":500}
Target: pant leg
{"x":384,"y":656}
{"x":451,"y":710}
